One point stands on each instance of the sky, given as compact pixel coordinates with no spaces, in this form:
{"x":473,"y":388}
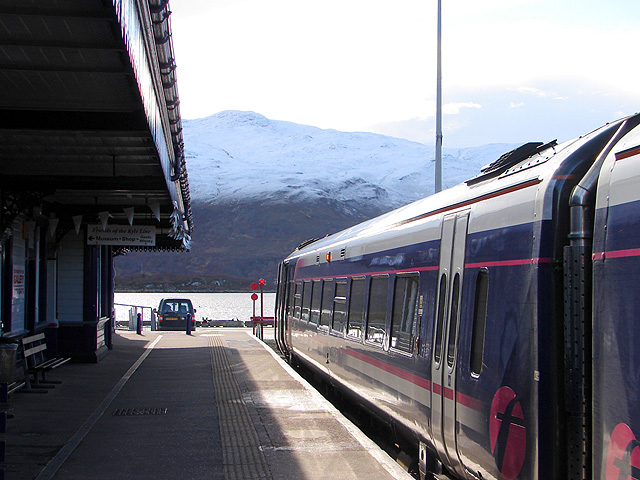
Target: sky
{"x":513,"y":70}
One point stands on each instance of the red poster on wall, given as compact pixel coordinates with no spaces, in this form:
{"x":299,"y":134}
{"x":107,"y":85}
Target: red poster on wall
{"x":18,"y":283}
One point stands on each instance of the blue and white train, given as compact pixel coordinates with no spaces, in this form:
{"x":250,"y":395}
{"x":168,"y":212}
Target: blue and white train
{"x":496,"y":324}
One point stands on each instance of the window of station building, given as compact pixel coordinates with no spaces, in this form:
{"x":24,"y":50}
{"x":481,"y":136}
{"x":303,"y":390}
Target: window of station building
{"x":405,"y":312}
{"x":340,"y":306}
{"x":297,"y":300}
{"x":479,"y":321}
{"x":377,"y":311}
{"x":306,"y":301}
{"x":442,"y":308}
{"x":327,"y":303}
{"x":356,"y":308}
{"x":316,"y":296}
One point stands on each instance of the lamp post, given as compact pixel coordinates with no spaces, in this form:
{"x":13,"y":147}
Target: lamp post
{"x":438,"y":177}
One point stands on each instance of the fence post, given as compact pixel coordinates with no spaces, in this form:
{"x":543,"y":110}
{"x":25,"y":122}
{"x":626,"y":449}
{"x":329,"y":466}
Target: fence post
{"x":261,"y":282}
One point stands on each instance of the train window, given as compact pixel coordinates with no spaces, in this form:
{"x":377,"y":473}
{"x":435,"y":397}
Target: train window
{"x":306,"y":301}
{"x":405,"y":312}
{"x":340,"y":305}
{"x":442,"y":308}
{"x":356,"y":308}
{"x":377,"y":311}
{"x":479,"y":321}
{"x":297,"y":300}
{"x":316,"y":295}
{"x":453,"y":320}
{"x":327,"y":303}
{"x":290,"y":298}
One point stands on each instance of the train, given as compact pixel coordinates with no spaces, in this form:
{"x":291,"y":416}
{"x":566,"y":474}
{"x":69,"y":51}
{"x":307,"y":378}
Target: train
{"x":494,"y":325}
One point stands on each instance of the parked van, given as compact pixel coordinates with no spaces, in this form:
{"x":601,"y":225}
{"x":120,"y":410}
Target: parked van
{"x":173,"y":313}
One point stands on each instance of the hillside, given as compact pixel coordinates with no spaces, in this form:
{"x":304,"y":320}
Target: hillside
{"x":260,"y":187}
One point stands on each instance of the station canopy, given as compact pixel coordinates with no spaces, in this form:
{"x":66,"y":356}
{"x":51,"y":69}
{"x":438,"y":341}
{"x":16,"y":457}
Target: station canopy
{"x":77,"y":136}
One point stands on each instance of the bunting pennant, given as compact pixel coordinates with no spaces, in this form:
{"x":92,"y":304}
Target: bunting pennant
{"x":129,"y":213}
{"x":155,"y":208}
{"x":77,"y":221}
{"x":104,"y":216}
{"x":53,"y":225}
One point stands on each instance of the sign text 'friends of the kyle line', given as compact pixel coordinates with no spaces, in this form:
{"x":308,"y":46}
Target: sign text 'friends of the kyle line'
{"x":126,"y":235}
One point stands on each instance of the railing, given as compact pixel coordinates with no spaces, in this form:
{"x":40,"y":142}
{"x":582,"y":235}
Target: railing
{"x":259,"y":323}
{"x":103,"y":332}
{"x":131,"y":322}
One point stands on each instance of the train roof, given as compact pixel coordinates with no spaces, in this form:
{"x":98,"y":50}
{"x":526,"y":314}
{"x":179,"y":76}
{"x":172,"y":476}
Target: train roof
{"x":532,"y":162}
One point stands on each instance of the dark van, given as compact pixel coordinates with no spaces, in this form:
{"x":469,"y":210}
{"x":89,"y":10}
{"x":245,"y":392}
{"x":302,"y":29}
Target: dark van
{"x":174,"y":313}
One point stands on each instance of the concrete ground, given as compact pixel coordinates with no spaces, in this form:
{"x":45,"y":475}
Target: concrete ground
{"x":218,"y":404}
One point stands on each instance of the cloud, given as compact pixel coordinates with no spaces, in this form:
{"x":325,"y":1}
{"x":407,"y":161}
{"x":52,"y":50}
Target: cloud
{"x":519,"y":114}
{"x":534,"y":91}
{"x":456,"y":107}
{"x":417,"y":129}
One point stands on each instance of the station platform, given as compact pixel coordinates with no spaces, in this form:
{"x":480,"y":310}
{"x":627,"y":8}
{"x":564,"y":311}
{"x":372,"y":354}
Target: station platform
{"x":217,"y":404}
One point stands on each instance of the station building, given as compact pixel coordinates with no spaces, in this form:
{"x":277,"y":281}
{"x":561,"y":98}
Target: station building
{"x":91,"y":161}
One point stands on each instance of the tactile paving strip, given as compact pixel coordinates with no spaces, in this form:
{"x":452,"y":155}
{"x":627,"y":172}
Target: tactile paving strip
{"x":242,"y":457}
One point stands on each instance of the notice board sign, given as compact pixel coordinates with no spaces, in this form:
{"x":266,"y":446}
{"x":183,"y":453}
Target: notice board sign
{"x":18,"y":283}
{"x":122,"y":235}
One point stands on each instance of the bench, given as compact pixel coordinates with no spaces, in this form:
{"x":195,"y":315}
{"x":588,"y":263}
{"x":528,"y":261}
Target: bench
{"x":14,"y":387}
{"x":17,"y":375}
{"x":259,"y":323}
{"x":7,"y":389}
{"x":269,"y":321}
{"x":36,"y":362}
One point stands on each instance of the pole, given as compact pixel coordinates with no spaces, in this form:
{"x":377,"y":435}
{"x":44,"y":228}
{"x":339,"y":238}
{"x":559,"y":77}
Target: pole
{"x":438,"y":178}
{"x":254,"y":297}
{"x":254,"y":316}
{"x":261,"y":283}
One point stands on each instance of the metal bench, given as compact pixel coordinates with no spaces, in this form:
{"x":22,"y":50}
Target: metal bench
{"x":7,"y":389}
{"x":36,"y":362}
{"x":13,"y":372}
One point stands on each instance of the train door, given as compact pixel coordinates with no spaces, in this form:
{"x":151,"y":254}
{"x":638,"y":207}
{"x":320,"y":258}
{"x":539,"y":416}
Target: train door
{"x":443,"y":365}
{"x":282,"y":306}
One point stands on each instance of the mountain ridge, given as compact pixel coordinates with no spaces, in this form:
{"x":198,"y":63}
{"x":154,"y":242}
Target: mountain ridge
{"x":236,"y":154}
{"x":260,"y":187}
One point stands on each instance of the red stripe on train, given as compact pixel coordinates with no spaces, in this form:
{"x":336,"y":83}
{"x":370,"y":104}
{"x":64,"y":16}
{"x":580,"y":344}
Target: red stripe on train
{"x":398,"y":372}
{"x":631,"y":252}
{"x":509,"y":263}
{"x":449,"y":393}
{"x":372,"y":273}
{"x":468,"y":401}
{"x":631,"y":152}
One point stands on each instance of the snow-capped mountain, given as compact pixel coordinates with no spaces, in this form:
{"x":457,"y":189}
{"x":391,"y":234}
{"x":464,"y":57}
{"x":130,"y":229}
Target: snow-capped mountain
{"x":236,"y":155}
{"x":259,"y":187}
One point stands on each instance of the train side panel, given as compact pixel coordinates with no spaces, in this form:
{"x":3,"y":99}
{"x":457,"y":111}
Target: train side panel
{"x":616,"y":315}
{"x":446,"y":317}
{"x":399,"y":383}
{"x":495,"y":385}
{"x":386,"y":371}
